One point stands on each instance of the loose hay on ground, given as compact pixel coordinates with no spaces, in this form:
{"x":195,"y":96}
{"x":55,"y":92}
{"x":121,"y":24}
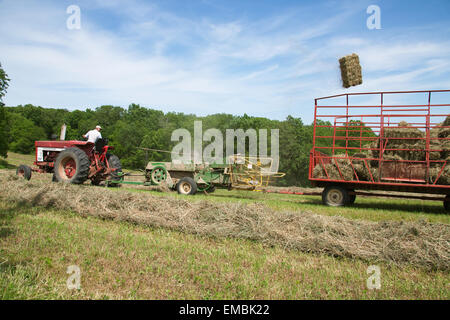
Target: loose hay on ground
{"x":420,"y":244}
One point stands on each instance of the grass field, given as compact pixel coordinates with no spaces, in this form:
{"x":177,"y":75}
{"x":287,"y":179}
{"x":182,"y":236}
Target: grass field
{"x":15,"y":159}
{"x":123,"y":260}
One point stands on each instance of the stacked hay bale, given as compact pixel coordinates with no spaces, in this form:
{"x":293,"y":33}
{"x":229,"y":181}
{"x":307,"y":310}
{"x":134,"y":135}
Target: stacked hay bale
{"x":362,"y":167}
{"x":402,"y":137}
{"x":444,"y":133}
{"x":444,"y":154}
{"x":350,"y":70}
{"x":345,"y":169}
{"x":435,"y":145}
{"x":405,"y":137}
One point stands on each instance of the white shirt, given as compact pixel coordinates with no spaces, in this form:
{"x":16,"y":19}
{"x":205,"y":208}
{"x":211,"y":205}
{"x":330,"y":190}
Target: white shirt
{"x":93,"y":135}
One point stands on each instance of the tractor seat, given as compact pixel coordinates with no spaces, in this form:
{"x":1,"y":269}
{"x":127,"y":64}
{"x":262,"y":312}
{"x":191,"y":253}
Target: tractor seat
{"x":99,"y":144}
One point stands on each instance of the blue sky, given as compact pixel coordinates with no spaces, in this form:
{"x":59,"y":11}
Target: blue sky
{"x":263,"y":58}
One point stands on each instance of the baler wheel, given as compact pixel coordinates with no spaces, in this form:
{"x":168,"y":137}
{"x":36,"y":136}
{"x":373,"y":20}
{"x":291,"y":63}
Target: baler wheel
{"x":24,"y":172}
{"x":158,"y":175}
{"x":187,"y":186}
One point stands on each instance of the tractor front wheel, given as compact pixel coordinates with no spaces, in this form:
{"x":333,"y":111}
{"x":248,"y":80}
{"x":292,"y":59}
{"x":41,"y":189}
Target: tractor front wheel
{"x":187,"y":186}
{"x":24,"y":172}
{"x":72,"y":166}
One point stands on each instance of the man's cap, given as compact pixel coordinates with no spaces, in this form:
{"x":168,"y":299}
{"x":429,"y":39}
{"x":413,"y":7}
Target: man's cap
{"x":98,"y":127}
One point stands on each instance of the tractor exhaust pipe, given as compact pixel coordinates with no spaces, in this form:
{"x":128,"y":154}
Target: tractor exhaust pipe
{"x":62,"y":136}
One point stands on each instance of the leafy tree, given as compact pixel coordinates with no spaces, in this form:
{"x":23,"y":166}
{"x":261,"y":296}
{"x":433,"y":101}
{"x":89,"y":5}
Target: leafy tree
{"x":23,"y":134}
{"x":295,"y":144}
{"x":134,"y":127}
{"x":351,"y":136}
{"x":4,"y":83}
{"x":125,"y":138}
{"x":4,"y":132}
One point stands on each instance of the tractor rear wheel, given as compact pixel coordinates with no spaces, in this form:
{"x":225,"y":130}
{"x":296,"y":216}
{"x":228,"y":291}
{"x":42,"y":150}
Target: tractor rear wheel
{"x":72,"y":166}
{"x":24,"y":172}
{"x":335,"y":196}
{"x":186,"y":186}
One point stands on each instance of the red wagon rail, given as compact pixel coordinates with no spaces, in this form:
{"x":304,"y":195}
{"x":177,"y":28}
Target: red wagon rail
{"x":358,"y":138}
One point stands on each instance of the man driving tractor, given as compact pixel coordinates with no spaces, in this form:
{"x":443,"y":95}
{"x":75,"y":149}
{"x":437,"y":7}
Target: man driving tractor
{"x":93,"y":135}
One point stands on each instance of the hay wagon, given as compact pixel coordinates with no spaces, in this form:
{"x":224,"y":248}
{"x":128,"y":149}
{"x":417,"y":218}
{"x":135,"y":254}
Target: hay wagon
{"x":389,"y":141}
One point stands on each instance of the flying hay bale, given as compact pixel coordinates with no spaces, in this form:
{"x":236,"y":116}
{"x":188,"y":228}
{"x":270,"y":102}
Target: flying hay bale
{"x":350,"y":70}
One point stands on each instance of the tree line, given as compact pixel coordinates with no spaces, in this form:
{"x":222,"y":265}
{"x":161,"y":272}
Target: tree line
{"x":135,"y":127}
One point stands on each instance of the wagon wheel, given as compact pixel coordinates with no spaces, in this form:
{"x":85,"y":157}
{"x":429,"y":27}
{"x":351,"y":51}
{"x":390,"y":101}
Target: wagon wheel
{"x":158,"y":175}
{"x":335,"y":196}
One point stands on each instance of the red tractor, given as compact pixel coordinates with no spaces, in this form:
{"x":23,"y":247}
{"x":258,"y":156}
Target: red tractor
{"x":75,"y":161}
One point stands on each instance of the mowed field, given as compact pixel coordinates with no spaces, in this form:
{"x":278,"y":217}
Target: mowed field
{"x":124,"y":259}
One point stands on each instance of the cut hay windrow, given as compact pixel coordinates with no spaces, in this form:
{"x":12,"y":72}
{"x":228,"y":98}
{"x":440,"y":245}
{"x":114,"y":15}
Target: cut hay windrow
{"x":419,"y":244}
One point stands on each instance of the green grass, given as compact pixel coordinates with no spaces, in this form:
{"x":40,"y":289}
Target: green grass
{"x":15,"y":159}
{"x":120,"y":260}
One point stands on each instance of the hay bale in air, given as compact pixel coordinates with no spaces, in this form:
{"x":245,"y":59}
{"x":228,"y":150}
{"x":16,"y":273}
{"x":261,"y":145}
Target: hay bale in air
{"x":351,"y":71}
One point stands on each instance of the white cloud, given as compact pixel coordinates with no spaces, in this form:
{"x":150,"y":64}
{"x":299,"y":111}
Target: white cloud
{"x":270,"y":67}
